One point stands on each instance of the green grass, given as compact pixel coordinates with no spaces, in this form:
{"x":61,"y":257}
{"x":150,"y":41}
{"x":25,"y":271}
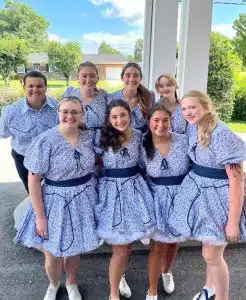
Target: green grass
{"x":239,"y":126}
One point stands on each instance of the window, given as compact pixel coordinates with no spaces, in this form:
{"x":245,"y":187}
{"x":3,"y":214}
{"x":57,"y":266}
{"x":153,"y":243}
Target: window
{"x":36,"y":67}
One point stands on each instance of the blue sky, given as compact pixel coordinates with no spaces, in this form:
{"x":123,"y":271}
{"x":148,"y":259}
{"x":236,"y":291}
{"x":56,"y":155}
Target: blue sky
{"x":119,"y":22}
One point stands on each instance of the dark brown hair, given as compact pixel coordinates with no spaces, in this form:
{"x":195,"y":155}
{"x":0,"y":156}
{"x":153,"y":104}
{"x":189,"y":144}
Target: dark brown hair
{"x":112,"y":137}
{"x":143,"y":95}
{"x":35,"y":74}
{"x":148,"y":140}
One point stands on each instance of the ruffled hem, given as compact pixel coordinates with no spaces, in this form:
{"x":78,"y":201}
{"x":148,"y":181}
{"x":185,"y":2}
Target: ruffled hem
{"x":158,"y":236}
{"x":118,"y":238}
{"x":43,"y":247}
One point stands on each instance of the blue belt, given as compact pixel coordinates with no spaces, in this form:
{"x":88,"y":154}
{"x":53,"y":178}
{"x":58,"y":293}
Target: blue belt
{"x":209,"y":172}
{"x":171,"y":180}
{"x":69,"y":182}
{"x":143,"y":129}
{"x":121,"y":173}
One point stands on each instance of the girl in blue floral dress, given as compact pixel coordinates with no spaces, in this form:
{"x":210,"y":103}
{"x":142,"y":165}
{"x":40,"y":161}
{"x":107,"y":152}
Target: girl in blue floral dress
{"x":60,"y":220}
{"x":166,"y":86}
{"x":135,"y":94}
{"x":212,"y":210}
{"x":165,"y":159}
{"x":94,"y":100}
{"x":125,"y":212}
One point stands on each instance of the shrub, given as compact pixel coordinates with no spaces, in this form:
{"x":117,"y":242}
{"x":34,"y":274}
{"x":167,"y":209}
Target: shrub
{"x":224,"y":66}
{"x":9,"y":95}
{"x":239,"y":112}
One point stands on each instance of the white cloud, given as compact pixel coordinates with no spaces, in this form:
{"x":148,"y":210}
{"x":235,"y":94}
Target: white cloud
{"x":84,"y":14}
{"x":55,"y":37}
{"x":132,"y":11}
{"x":225,"y":29}
{"x":123,"y":42}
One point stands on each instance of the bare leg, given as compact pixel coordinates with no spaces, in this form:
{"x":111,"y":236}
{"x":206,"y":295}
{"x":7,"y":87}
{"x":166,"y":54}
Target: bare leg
{"x":117,"y":267}
{"x":170,"y":253}
{"x":71,"y":264}
{"x":217,"y":267}
{"x":155,"y":262}
{"x":53,"y":268}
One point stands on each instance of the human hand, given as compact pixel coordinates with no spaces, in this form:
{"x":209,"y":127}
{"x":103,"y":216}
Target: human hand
{"x":232,"y":232}
{"x":42,"y":227}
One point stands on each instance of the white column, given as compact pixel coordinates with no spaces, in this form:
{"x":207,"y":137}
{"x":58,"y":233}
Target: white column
{"x":160,"y":39}
{"x":194,"y":45}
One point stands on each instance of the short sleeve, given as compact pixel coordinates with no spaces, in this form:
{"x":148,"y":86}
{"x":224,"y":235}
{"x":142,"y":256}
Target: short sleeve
{"x":229,"y":148}
{"x":67,"y":92}
{"x":4,"y":127}
{"x":37,"y":156}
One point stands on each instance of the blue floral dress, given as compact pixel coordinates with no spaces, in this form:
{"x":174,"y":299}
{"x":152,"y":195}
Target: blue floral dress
{"x":201,"y":207}
{"x":69,"y":207}
{"x":165,"y":174}
{"x":125,"y":212}
{"x":94,"y":111}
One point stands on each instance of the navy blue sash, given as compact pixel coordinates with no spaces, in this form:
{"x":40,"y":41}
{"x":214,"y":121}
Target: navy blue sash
{"x":69,"y":182}
{"x":143,"y":129}
{"x":121,"y":173}
{"x":209,"y":172}
{"x":171,"y":180}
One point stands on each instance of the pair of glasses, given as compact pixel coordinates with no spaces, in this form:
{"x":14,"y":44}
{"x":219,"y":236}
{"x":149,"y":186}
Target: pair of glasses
{"x":74,"y":113}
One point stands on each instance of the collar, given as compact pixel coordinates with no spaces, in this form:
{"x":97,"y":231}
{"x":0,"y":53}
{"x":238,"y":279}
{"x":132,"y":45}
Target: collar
{"x":26,"y":106}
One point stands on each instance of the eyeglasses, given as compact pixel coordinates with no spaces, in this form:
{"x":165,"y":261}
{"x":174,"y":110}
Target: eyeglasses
{"x":74,"y":113}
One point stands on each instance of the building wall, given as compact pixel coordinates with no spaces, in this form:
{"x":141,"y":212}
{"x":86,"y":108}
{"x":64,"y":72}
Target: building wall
{"x":102,"y":69}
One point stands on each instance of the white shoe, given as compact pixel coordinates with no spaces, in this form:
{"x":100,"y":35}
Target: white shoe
{"x":73,"y":292}
{"x":148,"y":297}
{"x":205,"y":294}
{"x":168,"y":283}
{"x":125,"y":291}
{"x":51,"y":292}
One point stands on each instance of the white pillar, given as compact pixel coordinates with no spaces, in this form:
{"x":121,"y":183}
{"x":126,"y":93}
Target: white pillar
{"x":194,"y":45}
{"x":160,"y":39}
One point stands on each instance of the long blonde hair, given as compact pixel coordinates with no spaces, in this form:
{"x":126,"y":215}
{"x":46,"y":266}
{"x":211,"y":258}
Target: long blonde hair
{"x":210,"y":119}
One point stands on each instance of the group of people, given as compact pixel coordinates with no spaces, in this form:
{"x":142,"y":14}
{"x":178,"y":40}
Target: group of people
{"x":123,"y":167}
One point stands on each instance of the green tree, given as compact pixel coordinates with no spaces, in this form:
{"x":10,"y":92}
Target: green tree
{"x":64,"y":58}
{"x":240,"y":39}
{"x":138,"y":50}
{"x":224,"y":66}
{"x":13,"y":53}
{"x":21,"y":21}
{"x":106,"y":48}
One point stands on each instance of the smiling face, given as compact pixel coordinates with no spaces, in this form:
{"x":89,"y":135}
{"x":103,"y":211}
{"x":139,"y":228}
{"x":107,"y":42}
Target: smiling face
{"x":160,"y":123}
{"x":119,"y":118}
{"x":35,"y":90}
{"x":131,"y":78}
{"x":193,"y":111}
{"x":88,"y":77}
{"x":165,"y":88}
{"x":70,"y":114}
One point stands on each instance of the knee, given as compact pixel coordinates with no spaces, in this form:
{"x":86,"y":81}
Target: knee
{"x":157,"y":248}
{"x":212,"y":256}
{"x":122,"y":251}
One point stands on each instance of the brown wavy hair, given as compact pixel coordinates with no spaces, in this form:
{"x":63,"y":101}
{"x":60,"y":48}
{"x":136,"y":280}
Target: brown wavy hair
{"x":172,"y":81}
{"x":148,"y":139}
{"x":143,"y":95}
{"x":110,"y":136}
{"x":210,"y":119}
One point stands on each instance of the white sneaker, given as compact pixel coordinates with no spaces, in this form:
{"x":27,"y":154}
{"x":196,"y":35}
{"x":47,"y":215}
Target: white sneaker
{"x":125,"y":291}
{"x":205,"y":294}
{"x":148,"y":297}
{"x":168,"y":283}
{"x":51,"y":292}
{"x":73,"y":292}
